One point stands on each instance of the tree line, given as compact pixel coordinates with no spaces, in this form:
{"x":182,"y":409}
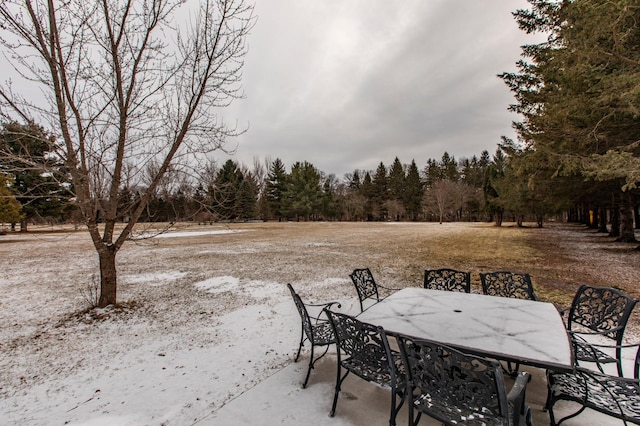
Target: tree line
{"x":481,"y":188}
{"x":442,"y":190}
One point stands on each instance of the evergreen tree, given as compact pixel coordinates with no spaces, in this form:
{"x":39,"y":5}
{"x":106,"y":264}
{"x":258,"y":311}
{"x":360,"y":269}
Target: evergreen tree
{"x":396,"y":181}
{"x":414,"y":189}
{"x":577,"y":93}
{"x":303,"y":194}
{"x":495,"y":172}
{"x":449,"y":168}
{"x":275,"y":187}
{"x":367,"y":193}
{"x":9,"y":206}
{"x":354,"y":200}
{"x":42,"y":191}
{"x":380,"y":192}
{"x":432,"y":173}
{"x":247,"y":197}
{"x":329,"y":203}
{"x":354,"y":180}
{"x":225,"y":193}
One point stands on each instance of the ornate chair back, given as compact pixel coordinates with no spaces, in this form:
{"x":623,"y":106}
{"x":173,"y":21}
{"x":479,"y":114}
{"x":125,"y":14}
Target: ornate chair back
{"x":363,"y":349}
{"x":456,"y":388}
{"x":366,"y":286}
{"x":507,"y":284}
{"x":307,"y":327}
{"x":447,"y":279}
{"x":315,"y":329}
{"x":600,"y":310}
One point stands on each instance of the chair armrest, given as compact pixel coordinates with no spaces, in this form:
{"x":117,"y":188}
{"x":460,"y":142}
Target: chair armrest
{"x":389,"y":288}
{"x":593,"y":347}
{"x":324,"y":306}
{"x":517,"y":392}
{"x":595,"y":333}
{"x":516,"y":397}
{"x":600,"y":345}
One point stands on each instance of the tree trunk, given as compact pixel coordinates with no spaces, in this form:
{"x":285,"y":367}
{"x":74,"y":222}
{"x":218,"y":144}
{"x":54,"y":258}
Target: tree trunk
{"x":602,"y":220}
{"x":499,"y":215}
{"x":108,"y":276}
{"x":615,"y":219}
{"x":636,"y":215}
{"x":627,"y":233}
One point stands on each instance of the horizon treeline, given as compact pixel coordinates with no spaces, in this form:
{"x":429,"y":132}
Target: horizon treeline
{"x":445,"y":189}
{"x":483,"y":187}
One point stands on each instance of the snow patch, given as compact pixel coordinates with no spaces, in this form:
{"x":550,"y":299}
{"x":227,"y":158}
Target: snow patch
{"x":218,"y":284}
{"x":198,"y":233}
{"x":154,"y":279}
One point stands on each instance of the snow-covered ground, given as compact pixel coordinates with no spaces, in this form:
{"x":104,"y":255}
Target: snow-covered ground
{"x":206,"y":332}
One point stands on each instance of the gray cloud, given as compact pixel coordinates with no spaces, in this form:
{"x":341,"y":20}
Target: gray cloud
{"x":346,"y":85}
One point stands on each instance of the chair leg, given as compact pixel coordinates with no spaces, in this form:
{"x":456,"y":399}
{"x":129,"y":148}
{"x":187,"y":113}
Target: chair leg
{"x":512,"y":368}
{"x":392,"y":419}
{"x":548,"y":401}
{"x":306,"y":379}
{"x":300,"y":345}
{"x":339,"y":381}
{"x":619,"y":365}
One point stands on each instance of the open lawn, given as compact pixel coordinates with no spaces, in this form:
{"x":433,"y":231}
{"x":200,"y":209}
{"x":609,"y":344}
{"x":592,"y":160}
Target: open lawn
{"x":206,"y":315}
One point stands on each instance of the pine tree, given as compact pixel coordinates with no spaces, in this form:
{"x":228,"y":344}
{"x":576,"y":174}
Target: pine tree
{"x":303,"y":195}
{"x":414,"y":189}
{"x":10,"y":208}
{"x":42,"y":191}
{"x":275,"y":188}
{"x":380,"y":192}
{"x":226,"y":191}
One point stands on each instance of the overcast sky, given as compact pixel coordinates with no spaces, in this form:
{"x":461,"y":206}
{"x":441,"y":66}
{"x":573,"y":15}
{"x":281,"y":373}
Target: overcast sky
{"x":348,"y":84}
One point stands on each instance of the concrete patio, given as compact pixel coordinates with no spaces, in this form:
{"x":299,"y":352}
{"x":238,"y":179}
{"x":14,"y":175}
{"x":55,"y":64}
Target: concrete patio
{"x":360,"y":403}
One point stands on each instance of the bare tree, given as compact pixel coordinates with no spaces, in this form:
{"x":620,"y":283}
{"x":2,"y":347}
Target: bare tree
{"x":126,"y":84}
{"x":442,"y":199}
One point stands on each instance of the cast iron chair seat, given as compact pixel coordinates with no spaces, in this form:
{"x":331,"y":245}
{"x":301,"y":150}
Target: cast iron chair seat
{"x":590,"y":352}
{"x":456,"y":388}
{"x":316,"y":330}
{"x":599,"y":311}
{"x":363,"y":349}
{"x":366,"y":286}
{"x":615,"y":396}
{"x":447,"y":279}
{"x":507,"y":284}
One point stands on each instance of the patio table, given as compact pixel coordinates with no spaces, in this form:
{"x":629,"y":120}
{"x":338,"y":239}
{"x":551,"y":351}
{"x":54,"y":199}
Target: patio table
{"x":507,"y":329}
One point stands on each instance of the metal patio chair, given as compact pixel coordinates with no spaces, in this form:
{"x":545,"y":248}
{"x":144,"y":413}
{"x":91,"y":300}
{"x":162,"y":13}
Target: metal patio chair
{"x":455,"y":388}
{"x":599,"y":311}
{"x":363,"y":349}
{"x":507,"y":284}
{"x":614,"y":396}
{"x":447,"y":279}
{"x":366,"y":286}
{"x":316,"y":330}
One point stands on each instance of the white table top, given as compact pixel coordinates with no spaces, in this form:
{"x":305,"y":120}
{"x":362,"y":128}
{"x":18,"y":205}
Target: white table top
{"x":508,"y":329}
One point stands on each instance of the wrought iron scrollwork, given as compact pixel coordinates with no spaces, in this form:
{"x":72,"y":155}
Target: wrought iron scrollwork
{"x":508,"y":284}
{"x":447,"y":280}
